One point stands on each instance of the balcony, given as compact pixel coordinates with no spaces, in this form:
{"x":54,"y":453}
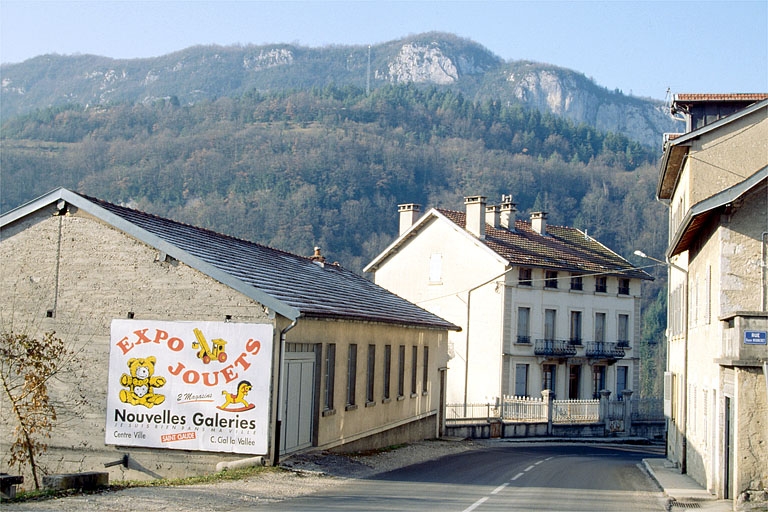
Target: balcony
{"x":554,"y":348}
{"x":604,"y":350}
{"x":525,"y":340}
{"x":744,"y":339}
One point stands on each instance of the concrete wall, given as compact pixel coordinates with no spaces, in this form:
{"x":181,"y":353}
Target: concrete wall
{"x":651,"y":430}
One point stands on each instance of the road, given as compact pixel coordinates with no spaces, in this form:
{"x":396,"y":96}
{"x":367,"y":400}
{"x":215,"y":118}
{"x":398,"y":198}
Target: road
{"x":509,"y":477}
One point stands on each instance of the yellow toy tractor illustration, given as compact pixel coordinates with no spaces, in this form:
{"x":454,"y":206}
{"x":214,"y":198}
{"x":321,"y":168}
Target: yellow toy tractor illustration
{"x":209,"y":352}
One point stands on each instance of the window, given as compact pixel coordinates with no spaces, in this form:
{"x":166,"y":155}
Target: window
{"x":550,"y":316}
{"x":523,"y":325}
{"x":598,"y":380}
{"x":623,"y":330}
{"x":550,"y":279}
{"x":435,"y":268}
{"x":401,"y":372}
{"x":387,"y":370}
{"x":330,"y":374}
{"x":601,"y":284}
{"x":425,"y":371}
{"x":550,"y":373}
{"x":599,"y":326}
{"x":623,"y":286}
{"x":521,"y":379}
{"x":576,"y":327}
{"x":414,"y":367}
{"x":524,"y":277}
{"x":621,"y":380}
{"x":371,"y":374}
{"x":577,"y":283}
{"x":351,"y":374}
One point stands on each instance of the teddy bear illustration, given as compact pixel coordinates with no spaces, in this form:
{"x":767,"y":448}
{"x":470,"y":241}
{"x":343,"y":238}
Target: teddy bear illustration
{"x":141,"y":383}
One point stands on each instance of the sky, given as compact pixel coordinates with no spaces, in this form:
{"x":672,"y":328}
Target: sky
{"x":643,"y":48}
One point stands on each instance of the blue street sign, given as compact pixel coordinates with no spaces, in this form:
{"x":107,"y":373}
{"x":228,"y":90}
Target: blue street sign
{"x":755,"y":338}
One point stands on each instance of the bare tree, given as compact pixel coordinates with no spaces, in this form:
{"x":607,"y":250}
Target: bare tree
{"x":26,"y":367}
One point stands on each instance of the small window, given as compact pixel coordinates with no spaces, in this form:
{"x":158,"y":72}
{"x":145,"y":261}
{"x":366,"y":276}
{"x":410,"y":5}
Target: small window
{"x":351,"y":374}
{"x":524,"y":277}
{"x":387,"y":370}
{"x":401,"y":371}
{"x":577,"y":283}
{"x":623,"y":330}
{"x":330,"y":374}
{"x":369,"y":384}
{"x":623,"y":286}
{"x":414,"y":369}
{"x":601,"y":284}
{"x":425,"y":371}
{"x":550,"y":279}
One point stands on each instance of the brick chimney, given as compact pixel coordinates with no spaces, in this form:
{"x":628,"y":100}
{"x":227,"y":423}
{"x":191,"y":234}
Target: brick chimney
{"x":492,"y":215}
{"x":409,"y":214}
{"x":317,"y":257}
{"x":539,"y":222}
{"x":475,"y":215}
{"x":507,"y":213}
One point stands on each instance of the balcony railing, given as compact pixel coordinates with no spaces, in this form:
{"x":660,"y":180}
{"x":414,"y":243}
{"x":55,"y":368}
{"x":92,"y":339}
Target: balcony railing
{"x":604,"y":350}
{"x":554,"y":348}
{"x":526,"y":340}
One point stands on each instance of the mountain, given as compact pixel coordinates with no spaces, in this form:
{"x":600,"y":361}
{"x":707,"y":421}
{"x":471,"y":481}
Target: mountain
{"x":432,"y":59}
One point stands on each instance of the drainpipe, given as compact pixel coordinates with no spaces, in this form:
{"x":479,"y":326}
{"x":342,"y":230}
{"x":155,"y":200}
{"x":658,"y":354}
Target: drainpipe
{"x":279,"y":415}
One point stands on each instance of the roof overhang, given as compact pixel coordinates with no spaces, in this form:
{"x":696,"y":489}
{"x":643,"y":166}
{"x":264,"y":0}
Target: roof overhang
{"x":676,"y":150}
{"x":703,"y":212}
{"x":63,"y":194}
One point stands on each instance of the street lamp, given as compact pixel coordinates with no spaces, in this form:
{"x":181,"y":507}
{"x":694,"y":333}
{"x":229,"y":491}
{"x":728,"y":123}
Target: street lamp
{"x":684,"y":447}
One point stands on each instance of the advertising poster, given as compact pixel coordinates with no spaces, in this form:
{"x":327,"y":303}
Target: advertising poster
{"x":189,"y":385}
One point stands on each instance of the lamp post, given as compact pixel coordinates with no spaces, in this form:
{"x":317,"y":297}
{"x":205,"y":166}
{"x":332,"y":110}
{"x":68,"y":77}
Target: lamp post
{"x":684,"y":445}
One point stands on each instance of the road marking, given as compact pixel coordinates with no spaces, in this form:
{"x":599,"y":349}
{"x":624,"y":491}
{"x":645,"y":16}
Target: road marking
{"x":528,"y":468}
{"x":499,"y":488}
{"x":549,"y":458}
{"x":538,"y":463}
{"x":476,"y":504}
{"x":516,"y":477}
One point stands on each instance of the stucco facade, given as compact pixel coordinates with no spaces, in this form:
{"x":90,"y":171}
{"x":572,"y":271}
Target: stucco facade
{"x":576,"y":337}
{"x":68,"y":271}
{"x":718,"y":414}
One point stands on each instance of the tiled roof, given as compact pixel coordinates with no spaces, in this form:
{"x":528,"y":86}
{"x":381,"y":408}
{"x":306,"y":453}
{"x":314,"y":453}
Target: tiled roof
{"x":317,"y":291}
{"x":722,"y":97}
{"x":563,"y":248}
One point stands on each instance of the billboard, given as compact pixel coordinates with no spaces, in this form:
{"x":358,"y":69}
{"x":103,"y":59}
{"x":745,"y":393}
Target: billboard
{"x":189,"y":385}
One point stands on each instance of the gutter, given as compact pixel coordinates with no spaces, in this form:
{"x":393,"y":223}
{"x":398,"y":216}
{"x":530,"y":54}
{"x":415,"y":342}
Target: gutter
{"x":279,"y":416}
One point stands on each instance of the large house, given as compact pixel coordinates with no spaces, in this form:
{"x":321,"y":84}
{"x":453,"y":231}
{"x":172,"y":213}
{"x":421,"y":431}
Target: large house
{"x":714,"y":179}
{"x":195,"y":348}
{"x":540,"y":306}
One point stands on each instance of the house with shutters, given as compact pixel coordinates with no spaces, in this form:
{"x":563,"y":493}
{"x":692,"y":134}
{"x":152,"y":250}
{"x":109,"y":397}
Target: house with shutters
{"x":539,"y":306}
{"x":197,"y":349}
{"x":714,"y":179}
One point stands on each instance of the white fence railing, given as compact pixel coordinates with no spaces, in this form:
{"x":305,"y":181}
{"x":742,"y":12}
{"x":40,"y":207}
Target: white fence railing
{"x":534,"y":410}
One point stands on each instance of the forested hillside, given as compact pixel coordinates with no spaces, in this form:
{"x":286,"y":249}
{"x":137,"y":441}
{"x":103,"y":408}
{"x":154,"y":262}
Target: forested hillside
{"x":327,"y":167}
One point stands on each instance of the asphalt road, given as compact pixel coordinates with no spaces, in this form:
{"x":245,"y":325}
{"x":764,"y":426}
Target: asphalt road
{"x":509,"y":477}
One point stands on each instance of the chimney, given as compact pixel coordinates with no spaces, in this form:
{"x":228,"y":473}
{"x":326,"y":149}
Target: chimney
{"x":317,"y":257}
{"x":539,"y":222}
{"x":507,"y":214}
{"x":475,"y":215}
{"x":409,"y":213}
{"x":492,"y":216}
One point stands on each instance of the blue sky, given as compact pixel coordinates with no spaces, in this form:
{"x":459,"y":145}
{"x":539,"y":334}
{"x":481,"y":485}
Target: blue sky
{"x":641,"y":47}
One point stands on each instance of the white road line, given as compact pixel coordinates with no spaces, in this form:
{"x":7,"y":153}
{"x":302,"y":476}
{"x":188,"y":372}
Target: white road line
{"x":476,"y":504}
{"x":499,"y":488}
{"x":538,"y":463}
{"x":549,"y":458}
{"x":528,"y":468}
{"x":516,"y":477}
